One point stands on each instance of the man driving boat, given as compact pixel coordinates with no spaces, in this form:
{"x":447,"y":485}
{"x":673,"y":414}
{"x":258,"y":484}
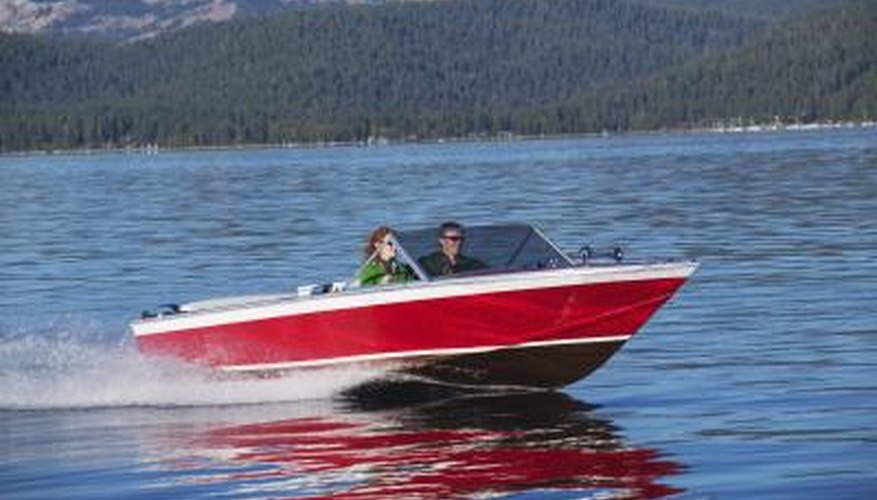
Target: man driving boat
{"x":449,"y":259}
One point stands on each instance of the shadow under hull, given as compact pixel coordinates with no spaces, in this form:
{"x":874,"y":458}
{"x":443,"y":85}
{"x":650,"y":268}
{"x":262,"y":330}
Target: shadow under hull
{"x":547,"y":367}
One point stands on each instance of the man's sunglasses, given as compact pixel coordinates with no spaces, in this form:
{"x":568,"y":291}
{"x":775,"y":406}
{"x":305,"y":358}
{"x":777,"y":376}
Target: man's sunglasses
{"x":453,"y":238}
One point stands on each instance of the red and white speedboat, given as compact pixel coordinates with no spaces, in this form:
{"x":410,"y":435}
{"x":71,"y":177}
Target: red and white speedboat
{"x":536,"y":318}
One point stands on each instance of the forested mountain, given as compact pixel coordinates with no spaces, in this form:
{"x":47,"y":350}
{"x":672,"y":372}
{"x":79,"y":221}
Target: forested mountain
{"x":820,"y":68}
{"x":139,"y":19}
{"x":424,"y":70}
{"x":340,"y":72}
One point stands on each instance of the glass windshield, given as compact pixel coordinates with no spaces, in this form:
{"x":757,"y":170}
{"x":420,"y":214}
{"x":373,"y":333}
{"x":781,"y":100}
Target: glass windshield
{"x":501,"y":248}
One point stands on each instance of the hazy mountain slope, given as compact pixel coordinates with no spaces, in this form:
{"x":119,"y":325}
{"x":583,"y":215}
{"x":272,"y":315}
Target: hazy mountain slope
{"x":134,"y":19}
{"x":137,"y":19}
{"x":112,"y":18}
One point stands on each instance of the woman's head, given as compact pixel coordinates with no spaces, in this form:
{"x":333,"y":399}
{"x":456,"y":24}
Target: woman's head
{"x":381,"y":242}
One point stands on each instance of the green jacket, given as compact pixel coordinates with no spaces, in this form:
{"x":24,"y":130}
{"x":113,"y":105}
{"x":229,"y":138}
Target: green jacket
{"x":375,"y":274}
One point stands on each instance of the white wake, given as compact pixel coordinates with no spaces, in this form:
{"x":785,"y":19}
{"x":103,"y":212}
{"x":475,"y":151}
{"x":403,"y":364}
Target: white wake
{"x":52,"y":371}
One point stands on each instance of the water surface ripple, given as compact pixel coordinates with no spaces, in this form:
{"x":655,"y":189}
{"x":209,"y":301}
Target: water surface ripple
{"x":757,"y":381}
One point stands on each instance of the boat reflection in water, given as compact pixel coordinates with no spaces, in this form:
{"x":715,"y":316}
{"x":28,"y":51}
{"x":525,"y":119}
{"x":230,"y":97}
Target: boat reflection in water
{"x":463,"y":447}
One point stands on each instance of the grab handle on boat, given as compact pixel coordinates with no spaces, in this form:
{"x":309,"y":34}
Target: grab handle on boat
{"x":587,"y":253}
{"x":617,"y":253}
{"x":161,"y":311}
{"x":320,"y":289}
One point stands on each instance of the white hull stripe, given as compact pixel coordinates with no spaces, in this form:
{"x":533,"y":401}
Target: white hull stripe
{"x":373,"y":296}
{"x":362,"y":358}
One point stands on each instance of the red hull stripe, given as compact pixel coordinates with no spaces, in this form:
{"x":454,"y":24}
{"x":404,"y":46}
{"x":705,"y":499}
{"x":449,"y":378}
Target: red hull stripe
{"x":429,"y":291}
{"x":583,"y":313}
{"x":402,"y":356}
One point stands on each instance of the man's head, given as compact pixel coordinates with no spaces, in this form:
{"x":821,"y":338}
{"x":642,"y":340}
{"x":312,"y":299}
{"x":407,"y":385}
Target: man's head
{"x":450,"y":238}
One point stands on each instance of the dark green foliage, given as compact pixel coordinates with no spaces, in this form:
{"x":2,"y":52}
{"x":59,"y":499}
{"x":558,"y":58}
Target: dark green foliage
{"x":823,"y":67}
{"x":758,"y":9}
{"x":455,"y":68}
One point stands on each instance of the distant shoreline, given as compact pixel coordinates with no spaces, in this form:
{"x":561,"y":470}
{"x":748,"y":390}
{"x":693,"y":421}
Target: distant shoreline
{"x":501,"y":137}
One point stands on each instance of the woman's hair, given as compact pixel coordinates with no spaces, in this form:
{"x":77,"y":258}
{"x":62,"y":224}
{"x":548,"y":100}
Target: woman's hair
{"x":376,"y":236}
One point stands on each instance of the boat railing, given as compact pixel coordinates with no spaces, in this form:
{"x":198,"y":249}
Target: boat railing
{"x":588,"y":255}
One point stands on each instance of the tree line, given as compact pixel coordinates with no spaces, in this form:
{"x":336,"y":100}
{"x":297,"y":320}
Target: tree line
{"x":427,"y":70}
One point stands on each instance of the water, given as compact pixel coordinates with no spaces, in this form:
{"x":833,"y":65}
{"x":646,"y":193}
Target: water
{"x":757,"y":381}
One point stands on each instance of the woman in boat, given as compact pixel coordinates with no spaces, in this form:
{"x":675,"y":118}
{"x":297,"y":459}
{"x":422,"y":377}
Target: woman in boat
{"x":381,"y":266}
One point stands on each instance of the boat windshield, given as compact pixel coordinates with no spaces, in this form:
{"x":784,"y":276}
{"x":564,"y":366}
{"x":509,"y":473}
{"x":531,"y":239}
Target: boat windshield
{"x":503,"y":248}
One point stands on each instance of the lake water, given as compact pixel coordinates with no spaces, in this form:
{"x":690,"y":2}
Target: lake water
{"x":759,"y":380}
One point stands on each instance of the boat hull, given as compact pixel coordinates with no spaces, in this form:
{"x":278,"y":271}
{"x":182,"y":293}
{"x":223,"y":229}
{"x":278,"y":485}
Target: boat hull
{"x":541,"y":329}
{"x":538,"y":366}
